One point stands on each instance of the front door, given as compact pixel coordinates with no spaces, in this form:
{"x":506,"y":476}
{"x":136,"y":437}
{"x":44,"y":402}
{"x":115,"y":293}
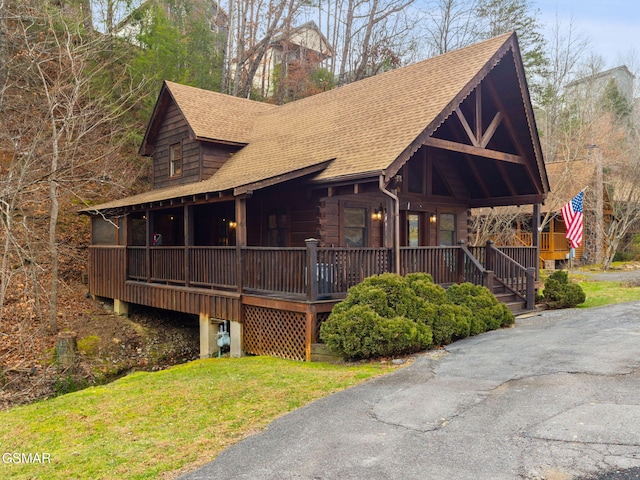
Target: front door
{"x":414,"y":230}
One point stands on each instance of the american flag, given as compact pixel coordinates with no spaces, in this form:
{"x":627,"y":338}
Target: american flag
{"x":572,"y":216}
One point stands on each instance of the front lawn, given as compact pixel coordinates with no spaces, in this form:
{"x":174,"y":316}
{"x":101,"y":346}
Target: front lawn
{"x":146,"y":424}
{"x":605,"y":293}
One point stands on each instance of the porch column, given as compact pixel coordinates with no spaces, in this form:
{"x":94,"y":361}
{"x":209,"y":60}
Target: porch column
{"x":535,"y":236}
{"x":535,"y":226}
{"x":187,"y":244}
{"x":235,"y":328}
{"x":312,"y":269}
{"x":148,"y":243}
{"x":241,"y":237}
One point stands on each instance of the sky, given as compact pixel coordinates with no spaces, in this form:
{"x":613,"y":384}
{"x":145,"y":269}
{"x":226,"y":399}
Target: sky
{"x":613,"y":26}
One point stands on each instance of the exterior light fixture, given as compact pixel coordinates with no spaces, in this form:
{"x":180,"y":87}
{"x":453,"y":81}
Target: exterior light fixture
{"x":232,"y":224}
{"x":433,"y":218}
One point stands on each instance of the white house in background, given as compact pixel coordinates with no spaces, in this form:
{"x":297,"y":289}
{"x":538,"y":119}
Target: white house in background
{"x":131,"y":26}
{"x":593,"y":86}
{"x":303,"y":42}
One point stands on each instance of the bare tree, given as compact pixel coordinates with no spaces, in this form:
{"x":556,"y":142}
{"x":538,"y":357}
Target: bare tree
{"x":60,"y":116}
{"x":449,"y":25}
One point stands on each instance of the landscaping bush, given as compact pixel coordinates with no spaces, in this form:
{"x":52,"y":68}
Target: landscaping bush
{"x":360,"y":332}
{"x":389,"y":295}
{"x":428,"y":291}
{"x":390,"y":315}
{"x":488,"y":313}
{"x":559,"y":293}
{"x":448,"y":322}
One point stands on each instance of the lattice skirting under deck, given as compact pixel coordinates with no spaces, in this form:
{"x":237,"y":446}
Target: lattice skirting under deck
{"x":278,"y":333}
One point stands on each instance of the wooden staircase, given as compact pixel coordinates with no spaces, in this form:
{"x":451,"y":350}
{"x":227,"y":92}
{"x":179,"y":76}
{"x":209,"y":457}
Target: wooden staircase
{"x":516,"y":304}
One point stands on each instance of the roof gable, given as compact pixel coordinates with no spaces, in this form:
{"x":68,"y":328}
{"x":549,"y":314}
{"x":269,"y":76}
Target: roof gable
{"x":211,"y":116}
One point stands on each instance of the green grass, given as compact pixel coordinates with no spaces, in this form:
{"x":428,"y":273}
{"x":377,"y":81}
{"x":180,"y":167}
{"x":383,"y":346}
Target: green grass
{"x":606,"y":293}
{"x":149,"y":423}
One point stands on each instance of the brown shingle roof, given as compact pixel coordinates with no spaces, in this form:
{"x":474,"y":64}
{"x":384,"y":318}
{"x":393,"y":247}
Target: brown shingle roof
{"x":359,"y":129}
{"x":215,"y":116}
{"x":365,"y":125}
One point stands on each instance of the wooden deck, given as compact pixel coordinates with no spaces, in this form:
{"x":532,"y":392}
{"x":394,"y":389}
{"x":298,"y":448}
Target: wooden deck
{"x":282,"y":295}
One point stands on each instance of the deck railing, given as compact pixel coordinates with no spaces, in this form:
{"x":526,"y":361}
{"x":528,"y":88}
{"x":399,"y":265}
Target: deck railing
{"x":314,"y":272}
{"x":276,"y":270}
{"x":338,"y":269}
{"x":213,"y":267}
{"x":440,"y":262}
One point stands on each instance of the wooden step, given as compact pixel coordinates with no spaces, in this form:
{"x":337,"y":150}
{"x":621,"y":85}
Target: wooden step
{"x":512,"y":301}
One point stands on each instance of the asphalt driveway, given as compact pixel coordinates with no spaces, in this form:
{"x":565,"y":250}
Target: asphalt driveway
{"x":556,"y":397}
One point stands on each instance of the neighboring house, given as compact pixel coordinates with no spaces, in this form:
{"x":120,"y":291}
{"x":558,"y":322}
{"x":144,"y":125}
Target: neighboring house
{"x":131,"y":26}
{"x":303,"y":44}
{"x":262,"y":216}
{"x":592,"y":87}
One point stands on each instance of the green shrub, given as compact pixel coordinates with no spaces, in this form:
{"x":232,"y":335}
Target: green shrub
{"x":430,"y":292}
{"x":448,"y":322}
{"x":389,"y":295}
{"x":487,"y":312}
{"x":391,"y":315}
{"x":559,"y":293}
{"x":360,"y":332}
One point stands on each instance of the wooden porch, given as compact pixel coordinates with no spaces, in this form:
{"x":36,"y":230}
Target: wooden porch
{"x":280,"y":296}
{"x":553,"y":244}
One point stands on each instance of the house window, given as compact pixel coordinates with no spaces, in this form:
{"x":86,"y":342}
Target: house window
{"x":447,"y":229}
{"x":355,"y":227}
{"x":175,"y":160}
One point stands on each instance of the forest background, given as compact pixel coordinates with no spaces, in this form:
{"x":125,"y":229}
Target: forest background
{"x":75,"y":98}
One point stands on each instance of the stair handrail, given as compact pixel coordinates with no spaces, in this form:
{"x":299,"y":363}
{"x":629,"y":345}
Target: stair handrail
{"x":473,"y":271}
{"x":515,"y":277}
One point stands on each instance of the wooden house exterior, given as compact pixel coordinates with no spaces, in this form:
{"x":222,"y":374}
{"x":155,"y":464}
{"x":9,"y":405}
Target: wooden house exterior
{"x":263,"y":216}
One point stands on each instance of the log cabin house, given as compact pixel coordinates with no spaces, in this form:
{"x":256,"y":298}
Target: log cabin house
{"x":261,"y":216}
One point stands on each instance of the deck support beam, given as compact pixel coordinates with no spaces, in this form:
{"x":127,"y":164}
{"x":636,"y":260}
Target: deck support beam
{"x":236,"y":340}
{"x":120,"y":307}
{"x":208,"y":330}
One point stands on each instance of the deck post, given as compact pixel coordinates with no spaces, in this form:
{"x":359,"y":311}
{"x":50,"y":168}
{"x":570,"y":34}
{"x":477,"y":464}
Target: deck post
{"x":120,"y":307}
{"x":487,"y":280}
{"x":312,"y":267}
{"x":460,"y":263}
{"x":208,"y":343}
{"x":236,"y":339}
{"x":488,"y":255}
{"x":187,"y":245}
{"x":241,"y":238}
{"x":535,"y":235}
{"x":310,"y":320}
{"x":531,"y":288}
{"x":150,"y":227}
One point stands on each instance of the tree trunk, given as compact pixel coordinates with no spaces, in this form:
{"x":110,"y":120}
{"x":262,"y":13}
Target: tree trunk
{"x":346,"y":46}
{"x":3,"y":43}
{"x":66,"y":346}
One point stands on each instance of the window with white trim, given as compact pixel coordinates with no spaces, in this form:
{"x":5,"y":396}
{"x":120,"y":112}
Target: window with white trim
{"x":175,"y":160}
